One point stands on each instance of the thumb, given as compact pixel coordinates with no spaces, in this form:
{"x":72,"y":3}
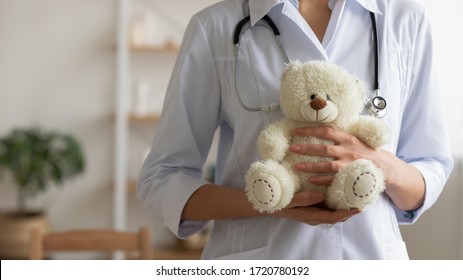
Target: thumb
{"x":306,"y":198}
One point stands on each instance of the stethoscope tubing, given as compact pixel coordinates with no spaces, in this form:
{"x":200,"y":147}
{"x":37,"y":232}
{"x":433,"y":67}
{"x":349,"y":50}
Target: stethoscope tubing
{"x":376,"y":105}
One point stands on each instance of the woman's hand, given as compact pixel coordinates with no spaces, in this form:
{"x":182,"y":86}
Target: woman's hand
{"x":404,"y":183}
{"x":213,"y":202}
{"x":302,"y":209}
{"x":346,"y":148}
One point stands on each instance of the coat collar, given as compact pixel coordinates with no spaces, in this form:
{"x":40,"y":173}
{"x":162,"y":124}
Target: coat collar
{"x":259,"y":8}
{"x":371,"y":5}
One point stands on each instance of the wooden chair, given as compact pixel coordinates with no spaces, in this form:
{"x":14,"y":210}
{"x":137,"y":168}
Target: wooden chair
{"x":90,"y":240}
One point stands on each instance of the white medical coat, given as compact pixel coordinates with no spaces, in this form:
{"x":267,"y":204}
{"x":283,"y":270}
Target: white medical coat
{"x":201,"y":98}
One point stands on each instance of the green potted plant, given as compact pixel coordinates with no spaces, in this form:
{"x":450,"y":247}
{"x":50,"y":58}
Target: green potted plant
{"x":35,"y":159}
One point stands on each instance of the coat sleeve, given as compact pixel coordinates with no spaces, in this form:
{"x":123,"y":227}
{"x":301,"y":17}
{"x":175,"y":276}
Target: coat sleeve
{"x":424,"y":141}
{"x":172,"y":172}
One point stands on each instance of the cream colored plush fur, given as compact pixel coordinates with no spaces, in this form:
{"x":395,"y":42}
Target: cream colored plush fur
{"x":316,"y":94}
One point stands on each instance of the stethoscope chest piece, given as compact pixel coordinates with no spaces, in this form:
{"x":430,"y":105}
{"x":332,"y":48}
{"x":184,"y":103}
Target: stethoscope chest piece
{"x":377,"y":106}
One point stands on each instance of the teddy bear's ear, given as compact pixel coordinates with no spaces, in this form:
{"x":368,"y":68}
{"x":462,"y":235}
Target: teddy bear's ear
{"x":290,"y":69}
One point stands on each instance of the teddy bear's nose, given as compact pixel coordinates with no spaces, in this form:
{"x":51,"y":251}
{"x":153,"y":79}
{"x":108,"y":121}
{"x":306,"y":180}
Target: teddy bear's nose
{"x":318,"y":103}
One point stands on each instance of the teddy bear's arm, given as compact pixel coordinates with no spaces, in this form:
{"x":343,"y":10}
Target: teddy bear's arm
{"x":371,"y":131}
{"x":273,"y":142}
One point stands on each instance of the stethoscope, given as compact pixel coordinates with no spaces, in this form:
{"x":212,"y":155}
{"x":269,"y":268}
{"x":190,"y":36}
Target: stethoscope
{"x":376,"y":106}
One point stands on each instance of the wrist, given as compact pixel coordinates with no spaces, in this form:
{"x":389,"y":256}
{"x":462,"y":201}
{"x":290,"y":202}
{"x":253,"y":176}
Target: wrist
{"x":388,"y":162}
{"x":405,"y":185}
{"x":212,"y":202}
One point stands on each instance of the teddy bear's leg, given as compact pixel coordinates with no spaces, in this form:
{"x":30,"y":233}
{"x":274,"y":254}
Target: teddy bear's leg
{"x":269,"y":186}
{"x":355,"y":186}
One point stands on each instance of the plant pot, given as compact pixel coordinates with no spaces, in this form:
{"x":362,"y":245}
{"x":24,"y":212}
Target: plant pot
{"x":15,"y":231}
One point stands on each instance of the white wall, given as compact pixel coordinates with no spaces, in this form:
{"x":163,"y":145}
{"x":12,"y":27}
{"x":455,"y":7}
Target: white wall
{"x":57,"y":70}
{"x":446,"y":21}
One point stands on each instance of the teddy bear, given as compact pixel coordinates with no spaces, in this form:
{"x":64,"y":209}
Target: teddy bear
{"x":316,"y":93}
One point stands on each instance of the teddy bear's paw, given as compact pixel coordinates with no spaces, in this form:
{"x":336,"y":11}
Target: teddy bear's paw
{"x":264,"y":193}
{"x":264,"y":186}
{"x":356,"y":186}
{"x":363,"y":184}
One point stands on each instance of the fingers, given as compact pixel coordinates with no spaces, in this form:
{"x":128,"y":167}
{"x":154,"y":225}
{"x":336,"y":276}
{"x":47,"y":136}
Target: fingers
{"x":324,"y":132}
{"x":306,"y":198}
{"x":333,"y":217}
{"x":302,"y":209}
{"x":346,"y":148}
{"x":319,"y":167}
{"x":322,"y":150}
{"x":322,"y":180}
{"x":336,"y":136}
{"x":314,"y":216}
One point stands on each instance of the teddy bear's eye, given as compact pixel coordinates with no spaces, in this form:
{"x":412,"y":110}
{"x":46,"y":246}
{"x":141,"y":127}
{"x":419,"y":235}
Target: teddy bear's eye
{"x":328,"y":97}
{"x":313,"y":96}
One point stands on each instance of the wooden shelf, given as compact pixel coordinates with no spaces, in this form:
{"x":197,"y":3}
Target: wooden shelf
{"x":151,"y":118}
{"x":134,"y":118}
{"x":169,"y":47}
{"x":176,"y":254}
{"x":130,"y":186}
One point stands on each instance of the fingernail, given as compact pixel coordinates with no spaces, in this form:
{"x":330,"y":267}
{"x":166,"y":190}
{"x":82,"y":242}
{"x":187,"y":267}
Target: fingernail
{"x":295,"y":148}
{"x":299,"y":130}
{"x":299,"y":166}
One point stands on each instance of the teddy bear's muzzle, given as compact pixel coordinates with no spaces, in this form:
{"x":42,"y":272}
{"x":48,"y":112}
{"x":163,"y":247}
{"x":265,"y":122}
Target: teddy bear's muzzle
{"x":318,"y":110}
{"x":318,"y":103}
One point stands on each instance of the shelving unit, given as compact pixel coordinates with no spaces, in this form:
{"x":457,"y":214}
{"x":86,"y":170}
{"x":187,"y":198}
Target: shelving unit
{"x":121,"y":121}
{"x":126,"y":122}
{"x":123,"y":117}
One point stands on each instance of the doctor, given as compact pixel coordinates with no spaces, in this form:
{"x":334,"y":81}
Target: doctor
{"x":202,"y":96}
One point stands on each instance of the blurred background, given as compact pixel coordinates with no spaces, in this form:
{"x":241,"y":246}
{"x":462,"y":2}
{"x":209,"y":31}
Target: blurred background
{"x":97,"y":70}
